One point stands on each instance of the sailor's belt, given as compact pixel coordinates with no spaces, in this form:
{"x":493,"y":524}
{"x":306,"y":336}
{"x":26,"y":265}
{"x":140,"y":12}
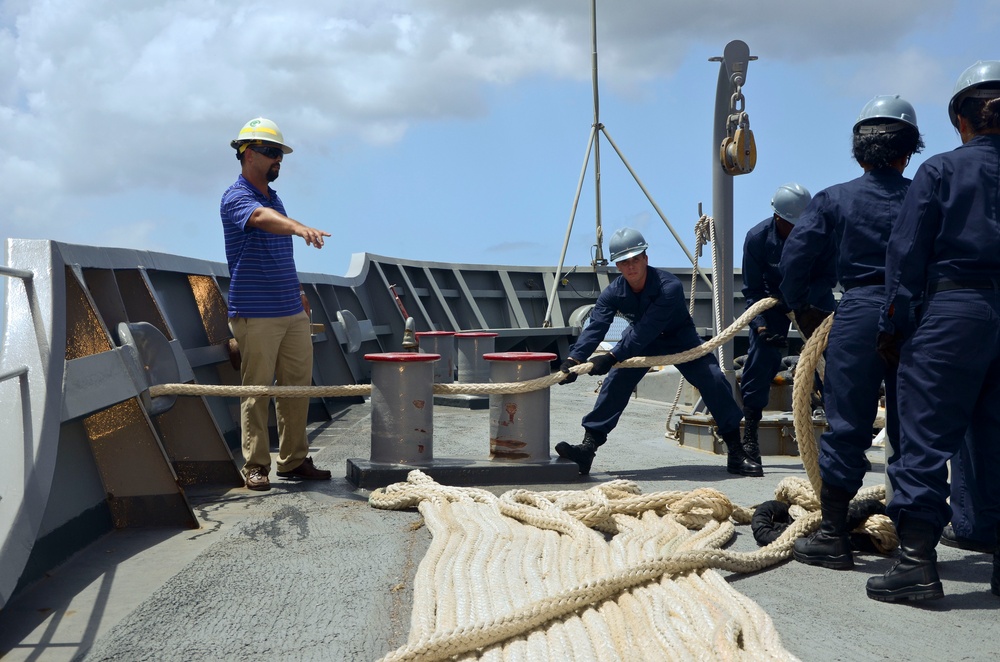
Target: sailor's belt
{"x":946,"y":284}
{"x":877,"y":279}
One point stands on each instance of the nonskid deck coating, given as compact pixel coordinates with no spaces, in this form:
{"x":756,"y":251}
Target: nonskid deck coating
{"x":309,"y":571}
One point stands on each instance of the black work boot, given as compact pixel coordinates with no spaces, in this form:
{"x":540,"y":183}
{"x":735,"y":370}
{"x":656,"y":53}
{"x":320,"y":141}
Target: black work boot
{"x":830,"y":547}
{"x":995,"y":580}
{"x":914,"y":576}
{"x":582,"y":454}
{"x":751,"y":446}
{"x":738,"y":462}
{"x":951,"y":539}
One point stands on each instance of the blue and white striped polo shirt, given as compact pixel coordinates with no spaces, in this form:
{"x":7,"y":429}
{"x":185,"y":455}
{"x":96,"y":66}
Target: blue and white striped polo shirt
{"x":263,"y":281}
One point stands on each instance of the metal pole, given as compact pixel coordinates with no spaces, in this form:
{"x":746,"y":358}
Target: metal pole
{"x":732,"y":72}
{"x":722,"y":210}
{"x":599,"y":250}
{"x":547,"y":322}
{"x":17,"y":273}
{"x":677,"y":237}
{"x":16,"y":372}
{"x":594,"y":144}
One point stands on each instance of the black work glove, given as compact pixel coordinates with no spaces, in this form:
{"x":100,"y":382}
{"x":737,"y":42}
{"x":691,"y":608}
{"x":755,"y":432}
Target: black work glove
{"x":772,"y":339}
{"x":809,"y":319}
{"x":565,"y":367}
{"x":602,"y":363}
{"x":887,"y":345}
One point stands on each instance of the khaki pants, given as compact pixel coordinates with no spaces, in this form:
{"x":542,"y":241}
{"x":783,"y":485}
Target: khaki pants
{"x":274,"y":350}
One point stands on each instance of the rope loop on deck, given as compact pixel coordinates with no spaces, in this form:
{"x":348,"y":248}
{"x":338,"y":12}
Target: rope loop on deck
{"x":613,"y":554}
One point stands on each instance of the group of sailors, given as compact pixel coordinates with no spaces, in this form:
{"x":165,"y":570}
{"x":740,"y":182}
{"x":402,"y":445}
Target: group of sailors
{"x":919,"y":264}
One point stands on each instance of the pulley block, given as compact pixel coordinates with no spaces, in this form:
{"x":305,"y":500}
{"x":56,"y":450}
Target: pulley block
{"x":739,"y":153}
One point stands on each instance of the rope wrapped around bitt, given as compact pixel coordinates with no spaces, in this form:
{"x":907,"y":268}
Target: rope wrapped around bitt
{"x":476,"y":389}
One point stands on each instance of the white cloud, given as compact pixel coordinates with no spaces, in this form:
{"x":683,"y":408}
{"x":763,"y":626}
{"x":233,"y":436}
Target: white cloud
{"x":104,"y":96}
{"x":912,"y":73}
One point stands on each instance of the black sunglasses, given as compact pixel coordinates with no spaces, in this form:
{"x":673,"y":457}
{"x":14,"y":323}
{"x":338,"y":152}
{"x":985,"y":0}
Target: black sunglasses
{"x":269,"y":152}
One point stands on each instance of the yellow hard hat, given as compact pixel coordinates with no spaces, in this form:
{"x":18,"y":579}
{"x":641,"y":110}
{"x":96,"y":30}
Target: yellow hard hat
{"x":260,"y":130}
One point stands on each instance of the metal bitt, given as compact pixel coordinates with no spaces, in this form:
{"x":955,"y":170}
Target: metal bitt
{"x":470,"y":347}
{"x":402,"y":405}
{"x":519,"y":422}
{"x":441,"y":343}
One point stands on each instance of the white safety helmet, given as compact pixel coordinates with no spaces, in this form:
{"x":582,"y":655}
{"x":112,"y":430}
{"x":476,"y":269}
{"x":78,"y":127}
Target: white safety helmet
{"x":984,"y":71}
{"x":626,"y":243}
{"x":790,"y":200}
{"x":257,"y":132}
{"x":886,"y":113}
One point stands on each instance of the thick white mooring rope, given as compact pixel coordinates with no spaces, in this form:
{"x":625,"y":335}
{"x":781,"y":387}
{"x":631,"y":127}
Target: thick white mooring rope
{"x":603,"y":574}
{"x":478,"y":389}
{"x":878,"y":527}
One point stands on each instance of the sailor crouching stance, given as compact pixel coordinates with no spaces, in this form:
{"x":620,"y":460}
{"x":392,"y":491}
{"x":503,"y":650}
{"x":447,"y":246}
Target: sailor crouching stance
{"x":659,"y":323}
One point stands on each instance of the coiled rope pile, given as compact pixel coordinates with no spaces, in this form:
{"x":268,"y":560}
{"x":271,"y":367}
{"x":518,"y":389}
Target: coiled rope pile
{"x":605,"y":573}
{"x":532,"y":575}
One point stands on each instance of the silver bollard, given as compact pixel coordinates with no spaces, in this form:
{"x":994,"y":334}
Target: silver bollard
{"x":519,"y":422}
{"x":402,"y":407}
{"x":443,"y":344}
{"x":469,"y":348}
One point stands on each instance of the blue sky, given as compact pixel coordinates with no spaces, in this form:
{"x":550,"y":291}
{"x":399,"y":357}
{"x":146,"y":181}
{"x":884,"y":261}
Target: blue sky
{"x":445,"y":130}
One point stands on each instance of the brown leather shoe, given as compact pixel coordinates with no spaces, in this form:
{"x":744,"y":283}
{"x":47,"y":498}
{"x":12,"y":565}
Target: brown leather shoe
{"x":257,"y":479}
{"x":306,"y":471}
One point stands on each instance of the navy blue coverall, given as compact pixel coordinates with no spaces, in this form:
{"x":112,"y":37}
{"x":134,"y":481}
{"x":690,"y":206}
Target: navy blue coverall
{"x":659,"y":324}
{"x":857,"y":217}
{"x":762,"y":279}
{"x":945,"y":252}
{"x":966,"y":494}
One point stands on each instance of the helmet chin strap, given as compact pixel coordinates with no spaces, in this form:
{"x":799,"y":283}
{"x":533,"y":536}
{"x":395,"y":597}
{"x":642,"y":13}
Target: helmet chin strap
{"x":879,"y":129}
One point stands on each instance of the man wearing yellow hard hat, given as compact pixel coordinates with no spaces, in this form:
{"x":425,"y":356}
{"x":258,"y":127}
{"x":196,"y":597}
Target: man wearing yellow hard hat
{"x":266,"y":306}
